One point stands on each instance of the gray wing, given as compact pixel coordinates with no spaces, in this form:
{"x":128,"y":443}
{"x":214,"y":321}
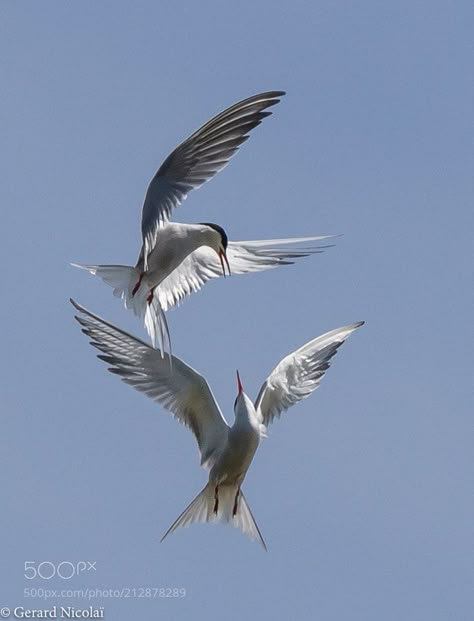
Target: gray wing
{"x":244,"y":256}
{"x":184,"y":392}
{"x":199,"y":158}
{"x":299,"y":373}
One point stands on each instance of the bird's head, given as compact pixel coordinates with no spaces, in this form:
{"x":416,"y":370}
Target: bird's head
{"x":242,"y":401}
{"x":218,"y":241}
{"x":244,"y":409}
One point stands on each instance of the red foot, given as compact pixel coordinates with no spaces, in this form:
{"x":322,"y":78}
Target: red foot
{"x":150,"y":296}
{"x":137,"y":286}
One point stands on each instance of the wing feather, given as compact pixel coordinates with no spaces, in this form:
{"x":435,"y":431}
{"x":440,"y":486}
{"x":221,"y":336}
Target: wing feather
{"x":184,"y":392}
{"x":200,"y":157}
{"x":299,"y":373}
{"x":203,"y":264}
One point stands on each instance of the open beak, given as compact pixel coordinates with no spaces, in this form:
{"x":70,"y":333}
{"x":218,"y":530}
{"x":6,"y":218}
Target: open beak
{"x":223,"y":257}
{"x":239,"y":384}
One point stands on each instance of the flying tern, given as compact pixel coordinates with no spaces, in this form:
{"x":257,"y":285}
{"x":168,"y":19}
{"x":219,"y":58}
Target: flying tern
{"x":226,"y":452}
{"x":177,"y":259}
{"x":176,"y":268}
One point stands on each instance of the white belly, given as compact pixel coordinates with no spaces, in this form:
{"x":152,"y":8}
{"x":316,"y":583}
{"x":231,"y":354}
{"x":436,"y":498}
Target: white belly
{"x":173,"y":246}
{"x":232,"y":465}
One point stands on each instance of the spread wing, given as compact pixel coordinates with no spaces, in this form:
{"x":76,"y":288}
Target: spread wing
{"x":299,"y":373}
{"x":184,"y":392}
{"x":199,"y":158}
{"x":244,"y":256}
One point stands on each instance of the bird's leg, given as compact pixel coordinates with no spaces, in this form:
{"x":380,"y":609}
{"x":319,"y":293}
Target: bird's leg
{"x":137,"y":286}
{"x":216,"y":499}
{"x":236,"y":505}
{"x":150,"y":296}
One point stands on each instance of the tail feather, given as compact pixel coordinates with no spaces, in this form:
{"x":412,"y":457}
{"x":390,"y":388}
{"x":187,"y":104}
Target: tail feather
{"x":201,"y":509}
{"x":246,"y":522}
{"x":157,"y":326}
{"x":123,"y":279}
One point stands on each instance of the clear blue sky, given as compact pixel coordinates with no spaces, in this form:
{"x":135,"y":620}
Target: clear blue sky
{"x":364,"y":491}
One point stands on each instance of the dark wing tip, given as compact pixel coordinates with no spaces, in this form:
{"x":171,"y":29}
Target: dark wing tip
{"x":76,"y":305}
{"x":272,"y":94}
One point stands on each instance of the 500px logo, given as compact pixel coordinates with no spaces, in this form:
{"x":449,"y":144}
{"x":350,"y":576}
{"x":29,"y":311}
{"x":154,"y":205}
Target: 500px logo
{"x":45,"y":570}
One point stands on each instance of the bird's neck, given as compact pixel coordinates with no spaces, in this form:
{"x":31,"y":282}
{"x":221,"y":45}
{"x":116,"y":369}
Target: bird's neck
{"x":201,"y":235}
{"x":246,"y":418}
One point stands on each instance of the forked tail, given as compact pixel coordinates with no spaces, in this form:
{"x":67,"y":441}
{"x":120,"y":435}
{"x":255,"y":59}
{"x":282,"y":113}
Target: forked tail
{"x":224,"y":503}
{"x":125,"y":281}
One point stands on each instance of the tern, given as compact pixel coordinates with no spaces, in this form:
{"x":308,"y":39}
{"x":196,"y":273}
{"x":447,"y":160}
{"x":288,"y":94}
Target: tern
{"x":226,"y":452}
{"x":176,"y":258}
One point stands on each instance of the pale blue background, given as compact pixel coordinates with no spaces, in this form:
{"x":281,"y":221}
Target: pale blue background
{"x":364,"y":491}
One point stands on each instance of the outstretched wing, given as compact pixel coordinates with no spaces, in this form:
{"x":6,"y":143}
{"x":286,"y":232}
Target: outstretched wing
{"x":184,"y":392}
{"x":299,"y":373}
{"x":243,"y":256}
{"x":198,"y":159}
